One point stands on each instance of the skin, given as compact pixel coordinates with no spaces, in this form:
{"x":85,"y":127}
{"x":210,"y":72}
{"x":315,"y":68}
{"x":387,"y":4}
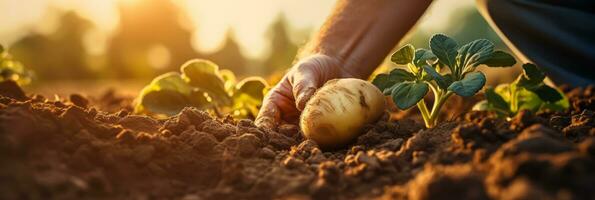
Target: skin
{"x":351,"y":44}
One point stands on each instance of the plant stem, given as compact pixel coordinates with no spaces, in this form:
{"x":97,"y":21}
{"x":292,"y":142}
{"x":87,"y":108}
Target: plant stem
{"x":424,"y":112}
{"x":440,"y":100}
{"x":513,"y":98}
{"x":440,"y":97}
{"x":412,"y":68}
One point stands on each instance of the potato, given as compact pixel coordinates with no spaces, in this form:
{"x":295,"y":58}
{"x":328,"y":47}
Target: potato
{"x":338,"y":111}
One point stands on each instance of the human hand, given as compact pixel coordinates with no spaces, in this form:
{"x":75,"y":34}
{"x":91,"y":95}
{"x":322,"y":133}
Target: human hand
{"x":289,"y":97}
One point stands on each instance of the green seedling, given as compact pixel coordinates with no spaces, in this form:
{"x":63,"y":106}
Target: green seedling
{"x":11,"y":69}
{"x":527,"y":92}
{"x":203,"y":85}
{"x":423,"y":73}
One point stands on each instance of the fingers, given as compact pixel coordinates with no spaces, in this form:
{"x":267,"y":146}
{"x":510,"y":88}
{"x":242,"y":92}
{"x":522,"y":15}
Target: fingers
{"x":277,"y":104}
{"x":289,"y":97}
{"x":269,"y":115}
{"x":310,"y":75}
{"x":307,"y":78}
{"x":304,"y":97}
{"x":304,"y":86}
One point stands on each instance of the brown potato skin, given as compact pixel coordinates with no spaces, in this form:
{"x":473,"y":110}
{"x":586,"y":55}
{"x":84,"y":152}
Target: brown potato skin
{"x":339,"y":110}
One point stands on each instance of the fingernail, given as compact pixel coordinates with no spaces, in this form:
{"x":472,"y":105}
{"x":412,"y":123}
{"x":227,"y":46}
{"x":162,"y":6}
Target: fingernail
{"x":304,"y":97}
{"x":264,"y":122}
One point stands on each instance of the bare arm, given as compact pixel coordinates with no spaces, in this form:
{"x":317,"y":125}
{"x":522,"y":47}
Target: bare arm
{"x":360,"y":33}
{"x":352,"y":43}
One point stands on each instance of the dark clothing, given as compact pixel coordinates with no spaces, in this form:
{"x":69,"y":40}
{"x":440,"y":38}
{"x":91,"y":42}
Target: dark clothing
{"x":558,"y":35}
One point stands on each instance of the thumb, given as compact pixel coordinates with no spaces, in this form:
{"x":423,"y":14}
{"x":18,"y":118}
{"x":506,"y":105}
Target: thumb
{"x":304,"y":83}
{"x":310,"y":74}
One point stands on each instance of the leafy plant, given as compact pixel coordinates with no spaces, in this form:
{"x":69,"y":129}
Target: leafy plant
{"x":408,"y":87}
{"x":527,"y":92}
{"x":11,"y":69}
{"x":201,"y":84}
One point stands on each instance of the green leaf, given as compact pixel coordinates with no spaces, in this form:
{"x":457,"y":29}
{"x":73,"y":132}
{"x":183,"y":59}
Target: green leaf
{"x":229,"y":79}
{"x":474,"y":53}
{"x":389,"y":90}
{"x":248,"y":96}
{"x":382,"y":82}
{"x":165,"y":102}
{"x":205,"y":75}
{"x":546,"y":93}
{"x":500,"y":59}
{"x":171,"y":81}
{"x":400,"y":75}
{"x":532,"y":72}
{"x":495,"y":100}
{"x":445,"y":49}
{"x":422,"y":56}
{"x":448,"y":78}
{"x":407,"y":94}
{"x":528,"y":100}
{"x":11,"y":69}
{"x":199,"y":99}
{"x":404,"y":55}
{"x":559,"y":105}
{"x":252,"y":86}
{"x":504,"y":91}
{"x":532,"y":80}
{"x":482,"y":105}
{"x":469,"y":85}
{"x":440,"y":80}
{"x":532,"y":76}
{"x":168,"y":94}
{"x":386,"y":81}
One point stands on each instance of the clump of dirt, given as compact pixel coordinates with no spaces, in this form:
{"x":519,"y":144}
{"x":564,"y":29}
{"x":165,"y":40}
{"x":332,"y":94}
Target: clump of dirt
{"x":82,"y":148}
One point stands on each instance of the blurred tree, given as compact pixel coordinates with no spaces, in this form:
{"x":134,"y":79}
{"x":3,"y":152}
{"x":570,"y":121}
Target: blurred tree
{"x":283,"y":50}
{"x":59,"y":55}
{"x":143,"y":26}
{"x":230,"y":56}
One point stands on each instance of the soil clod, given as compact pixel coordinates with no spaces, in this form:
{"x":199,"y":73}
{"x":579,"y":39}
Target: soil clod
{"x":84,"y":149}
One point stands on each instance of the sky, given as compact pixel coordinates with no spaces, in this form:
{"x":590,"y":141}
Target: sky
{"x":249,"y":20}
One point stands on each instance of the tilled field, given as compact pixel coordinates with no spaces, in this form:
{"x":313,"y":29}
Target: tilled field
{"x":76,"y":149}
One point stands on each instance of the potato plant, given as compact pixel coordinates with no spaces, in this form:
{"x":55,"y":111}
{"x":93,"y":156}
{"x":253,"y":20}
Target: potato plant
{"x":11,"y":69}
{"x":203,"y":85}
{"x":527,"y":92}
{"x":445,"y":69}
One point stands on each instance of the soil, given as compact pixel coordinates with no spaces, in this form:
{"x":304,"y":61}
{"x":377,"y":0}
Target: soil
{"x":85,"y":148}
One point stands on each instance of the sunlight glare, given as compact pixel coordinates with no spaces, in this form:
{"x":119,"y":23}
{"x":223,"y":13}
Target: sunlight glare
{"x":158,"y":56}
{"x":248,"y":19}
{"x":211,"y":20}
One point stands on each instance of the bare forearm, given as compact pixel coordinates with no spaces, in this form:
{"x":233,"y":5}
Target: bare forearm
{"x":359,"y":33}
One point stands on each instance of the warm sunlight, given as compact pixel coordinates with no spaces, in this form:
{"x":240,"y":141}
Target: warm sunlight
{"x":297,"y":99}
{"x":129,"y":2}
{"x":248,"y":21}
{"x":210,"y":20}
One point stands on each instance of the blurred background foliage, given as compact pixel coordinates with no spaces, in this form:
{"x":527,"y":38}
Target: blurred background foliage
{"x":126,"y":43}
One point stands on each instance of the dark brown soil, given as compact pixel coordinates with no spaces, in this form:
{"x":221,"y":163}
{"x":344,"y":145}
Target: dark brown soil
{"x":74,"y":149}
